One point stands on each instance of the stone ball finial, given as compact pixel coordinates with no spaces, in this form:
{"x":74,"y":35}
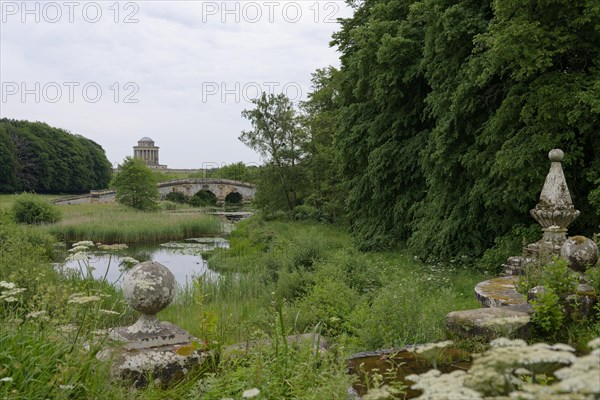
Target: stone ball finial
{"x":556,"y":155}
{"x":581,"y":252}
{"x":149,"y":287}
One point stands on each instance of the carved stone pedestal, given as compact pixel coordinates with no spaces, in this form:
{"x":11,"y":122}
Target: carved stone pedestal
{"x":150,"y":350}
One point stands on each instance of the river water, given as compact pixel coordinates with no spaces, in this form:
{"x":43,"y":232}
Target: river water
{"x":182,"y":258}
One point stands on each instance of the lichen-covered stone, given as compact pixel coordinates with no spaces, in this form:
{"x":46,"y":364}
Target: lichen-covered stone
{"x":581,"y":252}
{"x":499,"y":292}
{"x":490,"y":323}
{"x":161,"y":365}
{"x":581,"y":304}
{"x":535,"y":292}
{"x":149,"y":287}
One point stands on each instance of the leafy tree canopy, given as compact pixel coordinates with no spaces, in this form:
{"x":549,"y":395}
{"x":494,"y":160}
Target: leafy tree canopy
{"x":135,"y":185}
{"x":35,"y":157}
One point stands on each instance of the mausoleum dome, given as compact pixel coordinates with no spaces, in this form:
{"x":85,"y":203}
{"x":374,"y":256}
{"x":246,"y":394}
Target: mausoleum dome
{"x":146,"y":139}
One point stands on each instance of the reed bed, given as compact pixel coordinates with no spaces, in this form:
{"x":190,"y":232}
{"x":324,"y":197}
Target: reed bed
{"x":115,"y":224}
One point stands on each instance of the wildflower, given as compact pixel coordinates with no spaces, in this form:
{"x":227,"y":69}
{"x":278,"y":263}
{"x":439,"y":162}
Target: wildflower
{"x":504,"y":342}
{"x":562,"y":347}
{"x":66,"y":387}
{"x":381,"y":393}
{"x":112,"y":247}
{"x":7,"y":285}
{"x":250,"y":393}
{"x":424,"y":348}
{"x":128,"y":262}
{"x":78,"y":299}
{"x":86,"y":243}
{"x":436,"y":385}
{"x":77,"y":256}
{"x":9,"y":299}
{"x":6,"y":379}
{"x":109,"y":312}
{"x":35,"y":314}
{"x":67,"y":328}
{"x":12,"y":292}
{"x":77,"y":249}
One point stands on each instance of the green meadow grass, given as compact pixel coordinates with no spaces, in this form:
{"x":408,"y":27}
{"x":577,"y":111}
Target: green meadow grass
{"x":363,"y":300}
{"x":277,"y":279}
{"x":110,"y":223}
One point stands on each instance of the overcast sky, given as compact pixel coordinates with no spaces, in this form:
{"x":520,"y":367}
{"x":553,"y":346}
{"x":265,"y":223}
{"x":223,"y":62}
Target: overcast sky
{"x":179,"y":72}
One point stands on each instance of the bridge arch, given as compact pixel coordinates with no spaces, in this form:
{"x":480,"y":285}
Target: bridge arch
{"x":234,"y":198}
{"x":225,"y":190}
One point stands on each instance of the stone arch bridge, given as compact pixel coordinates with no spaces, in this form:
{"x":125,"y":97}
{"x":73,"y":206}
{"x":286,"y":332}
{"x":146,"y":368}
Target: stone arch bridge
{"x":222,"y":189}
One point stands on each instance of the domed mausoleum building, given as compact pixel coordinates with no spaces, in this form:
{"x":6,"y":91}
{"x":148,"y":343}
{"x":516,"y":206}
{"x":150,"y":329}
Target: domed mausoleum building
{"x":148,"y":152}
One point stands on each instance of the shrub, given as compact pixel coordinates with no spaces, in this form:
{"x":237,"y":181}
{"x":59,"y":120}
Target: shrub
{"x":508,"y":245}
{"x":306,"y":213}
{"x":548,"y":316}
{"x":168,"y":205}
{"x":304,"y":251}
{"x":559,"y":277}
{"x":202,"y":199}
{"x":30,"y":209}
{"x":177,"y":197}
{"x":328,"y":303}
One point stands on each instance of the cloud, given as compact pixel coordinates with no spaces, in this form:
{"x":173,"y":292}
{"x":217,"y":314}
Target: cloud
{"x":166,"y":61}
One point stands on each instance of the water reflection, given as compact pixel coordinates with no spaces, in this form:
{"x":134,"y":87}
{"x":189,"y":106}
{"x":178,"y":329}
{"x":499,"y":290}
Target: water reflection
{"x":182,"y":258}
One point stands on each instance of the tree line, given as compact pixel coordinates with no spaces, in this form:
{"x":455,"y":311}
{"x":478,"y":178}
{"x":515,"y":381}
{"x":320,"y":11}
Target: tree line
{"x":35,"y":157}
{"x":434,"y":131}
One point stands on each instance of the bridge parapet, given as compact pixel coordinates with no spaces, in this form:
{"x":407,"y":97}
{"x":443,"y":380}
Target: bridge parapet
{"x":221,"y":188}
{"x":205,"y":181}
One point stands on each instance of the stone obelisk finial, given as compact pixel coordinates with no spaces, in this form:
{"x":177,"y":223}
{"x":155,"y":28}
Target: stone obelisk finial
{"x":555,"y":210}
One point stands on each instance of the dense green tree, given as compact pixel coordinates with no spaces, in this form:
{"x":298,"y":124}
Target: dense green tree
{"x":445,"y":110}
{"x":321,"y":169}
{"x":526,"y":84}
{"x":236,"y":171}
{"x":135,"y":185}
{"x":8,"y":165}
{"x":382,"y":121}
{"x":36,"y":157}
{"x":277,"y":136}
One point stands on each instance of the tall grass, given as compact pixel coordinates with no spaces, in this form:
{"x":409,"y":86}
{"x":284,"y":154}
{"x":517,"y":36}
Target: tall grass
{"x":115,"y":224}
{"x":364,"y":300}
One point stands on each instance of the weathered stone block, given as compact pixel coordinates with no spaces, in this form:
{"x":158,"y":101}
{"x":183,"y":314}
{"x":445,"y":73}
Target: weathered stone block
{"x":161,"y":365}
{"x":490,"y":323}
{"x":499,"y":292}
